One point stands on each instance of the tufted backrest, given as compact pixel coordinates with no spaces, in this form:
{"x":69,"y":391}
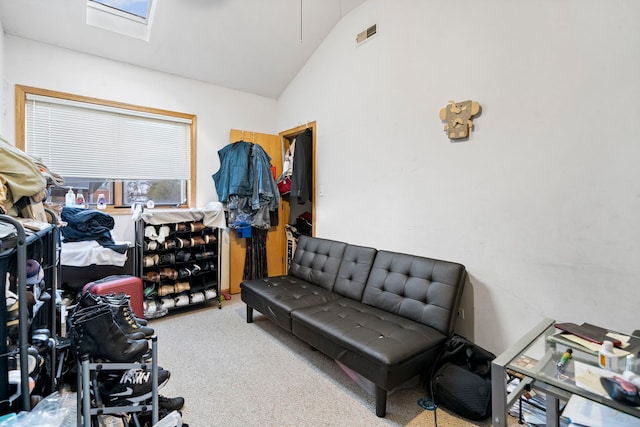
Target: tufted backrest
{"x":317,"y":261}
{"x":354,"y":271}
{"x":421,"y":289}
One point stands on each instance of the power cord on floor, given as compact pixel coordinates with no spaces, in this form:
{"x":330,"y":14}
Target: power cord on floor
{"x":429,"y":405}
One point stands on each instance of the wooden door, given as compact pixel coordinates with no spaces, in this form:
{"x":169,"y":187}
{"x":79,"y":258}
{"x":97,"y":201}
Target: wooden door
{"x":276,"y":238}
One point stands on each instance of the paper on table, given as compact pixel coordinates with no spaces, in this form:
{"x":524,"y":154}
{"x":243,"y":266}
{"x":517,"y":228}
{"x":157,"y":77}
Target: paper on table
{"x":593,"y":346}
{"x":588,"y":413}
{"x":624,"y":339}
{"x":588,"y":378}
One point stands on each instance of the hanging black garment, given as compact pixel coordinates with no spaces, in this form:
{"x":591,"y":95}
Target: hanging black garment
{"x":255,"y":262}
{"x":302,"y":178}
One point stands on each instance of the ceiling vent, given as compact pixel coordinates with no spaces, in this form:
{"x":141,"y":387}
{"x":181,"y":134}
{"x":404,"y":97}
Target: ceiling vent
{"x":366,"y":34}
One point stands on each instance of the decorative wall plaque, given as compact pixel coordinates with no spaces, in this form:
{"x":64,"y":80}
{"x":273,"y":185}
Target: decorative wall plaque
{"x":457,"y":116}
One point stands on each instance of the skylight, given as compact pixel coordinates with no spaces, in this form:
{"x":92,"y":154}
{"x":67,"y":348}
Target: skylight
{"x":139,"y":8}
{"x":128,"y":17}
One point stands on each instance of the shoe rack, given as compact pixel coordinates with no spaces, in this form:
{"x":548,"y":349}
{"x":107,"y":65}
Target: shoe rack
{"x":88,"y":400}
{"x":31,"y":240}
{"x":178,"y":263}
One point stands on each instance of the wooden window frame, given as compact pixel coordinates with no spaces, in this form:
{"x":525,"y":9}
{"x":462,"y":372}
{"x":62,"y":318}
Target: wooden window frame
{"x":116,"y":207}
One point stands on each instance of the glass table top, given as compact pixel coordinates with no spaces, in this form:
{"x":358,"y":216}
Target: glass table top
{"x":580,"y":375}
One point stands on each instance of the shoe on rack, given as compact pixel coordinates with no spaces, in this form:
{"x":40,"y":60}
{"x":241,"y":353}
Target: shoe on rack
{"x":197,"y":241}
{"x":183,"y":273}
{"x":153,"y":309}
{"x":152,"y":276}
{"x":93,"y":331}
{"x":168,"y":273}
{"x":122,"y":313}
{"x":123,"y":317}
{"x":195,"y":269}
{"x":163,"y":233}
{"x":166,"y":418}
{"x":170,"y":403}
{"x":182,"y":243}
{"x":167,"y":259}
{"x":197,"y":297}
{"x":197,"y":226}
{"x":167,"y":302}
{"x":183,"y":256}
{"x":165,"y":290}
{"x":124,"y":299}
{"x":135,"y":385}
{"x":182,"y":300}
{"x":209,"y":266}
{"x":13,"y":314}
{"x":181,"y":287}
{"x":150,"y":291}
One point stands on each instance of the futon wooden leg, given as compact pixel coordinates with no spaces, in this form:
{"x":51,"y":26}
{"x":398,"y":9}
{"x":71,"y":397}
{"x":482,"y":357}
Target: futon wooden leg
{"x":249,"y":314}
{"x":381,"y":402}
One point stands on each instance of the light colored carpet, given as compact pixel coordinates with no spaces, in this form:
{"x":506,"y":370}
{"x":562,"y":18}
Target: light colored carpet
{"x":232,"y":373}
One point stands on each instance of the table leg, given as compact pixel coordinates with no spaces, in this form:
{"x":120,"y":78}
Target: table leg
{"x":553,"y":410}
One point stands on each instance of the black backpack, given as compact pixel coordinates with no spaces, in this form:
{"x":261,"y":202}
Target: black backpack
{"x":462,"y":379}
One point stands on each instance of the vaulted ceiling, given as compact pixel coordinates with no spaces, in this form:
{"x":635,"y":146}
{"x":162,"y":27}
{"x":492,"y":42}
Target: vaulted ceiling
{"x":256,"y":46}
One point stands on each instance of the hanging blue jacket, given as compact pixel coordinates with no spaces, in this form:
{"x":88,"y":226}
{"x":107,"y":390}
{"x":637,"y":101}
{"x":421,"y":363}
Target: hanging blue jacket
{"x":245,"y":170}
{"x":265,"y":189}
{"x":234,"y":176}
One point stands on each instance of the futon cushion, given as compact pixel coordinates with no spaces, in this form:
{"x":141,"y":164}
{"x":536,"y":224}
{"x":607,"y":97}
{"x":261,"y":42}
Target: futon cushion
{"x":367,"y":339}
{"x":276,"y":297}
{"x":422,"y":289}
{"x":317,"y":261}
{"x":354,"y":271}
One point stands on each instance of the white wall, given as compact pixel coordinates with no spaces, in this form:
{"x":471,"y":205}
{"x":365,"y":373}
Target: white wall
{"x":217,"y":109}
{"x":541,"y":203}
{"x":3,"y":89}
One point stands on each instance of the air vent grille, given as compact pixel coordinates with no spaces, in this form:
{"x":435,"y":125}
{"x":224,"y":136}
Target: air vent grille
{"x":366,"y":34}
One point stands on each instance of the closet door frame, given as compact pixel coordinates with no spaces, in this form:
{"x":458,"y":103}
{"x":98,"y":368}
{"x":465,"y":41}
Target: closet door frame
{"x":287,"y":136}
{"x":277,"y":237}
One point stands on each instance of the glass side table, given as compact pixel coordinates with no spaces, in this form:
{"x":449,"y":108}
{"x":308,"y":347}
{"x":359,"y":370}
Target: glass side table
{"x":534,"y":357}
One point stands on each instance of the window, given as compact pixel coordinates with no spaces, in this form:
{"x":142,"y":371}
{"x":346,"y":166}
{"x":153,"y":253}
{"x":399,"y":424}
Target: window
{"x":124,"y":153}
{"x":138,"y":8}
{"x":132,"y":18}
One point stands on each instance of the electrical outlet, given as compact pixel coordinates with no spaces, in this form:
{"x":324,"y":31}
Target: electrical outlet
{"x":461,"y":313}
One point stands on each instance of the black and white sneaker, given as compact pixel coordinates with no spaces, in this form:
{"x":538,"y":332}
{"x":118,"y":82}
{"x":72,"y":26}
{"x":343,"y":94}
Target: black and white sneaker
{"x":134,"y":386}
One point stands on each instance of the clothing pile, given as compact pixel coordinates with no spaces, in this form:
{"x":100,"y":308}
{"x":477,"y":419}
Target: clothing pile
{"x":22,"y":184}
{"x":89,"y":224}
{"x":302,"y":225}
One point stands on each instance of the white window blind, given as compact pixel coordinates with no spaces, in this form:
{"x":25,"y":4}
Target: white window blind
{"x":79,"y":139}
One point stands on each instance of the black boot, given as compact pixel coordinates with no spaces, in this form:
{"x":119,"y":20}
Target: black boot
{"x":92,"y":300}
{"x":126,"y":300}
{"x":95,"y":333}
{"x":125,"y":320}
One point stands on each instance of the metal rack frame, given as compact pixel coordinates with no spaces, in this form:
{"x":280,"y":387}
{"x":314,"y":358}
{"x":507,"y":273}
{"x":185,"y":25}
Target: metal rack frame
{"x":85,"y":367}
{"x":51,"y":256}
